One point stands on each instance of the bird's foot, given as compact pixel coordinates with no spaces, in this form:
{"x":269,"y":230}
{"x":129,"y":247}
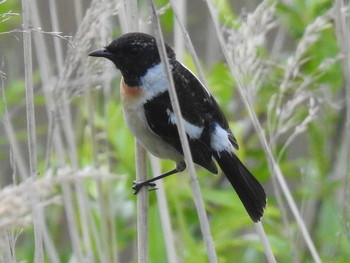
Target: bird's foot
{"x":138,"y":185}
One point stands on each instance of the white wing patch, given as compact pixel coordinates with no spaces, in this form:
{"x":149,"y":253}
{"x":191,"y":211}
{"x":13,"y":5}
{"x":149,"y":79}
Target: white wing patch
{"x":193,"y":131}
{"x":219,"y":140}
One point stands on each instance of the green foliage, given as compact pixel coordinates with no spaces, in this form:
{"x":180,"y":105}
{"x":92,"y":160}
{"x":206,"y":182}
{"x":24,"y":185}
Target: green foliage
{"x":14,"y":93}
{"x":167,"y":15}
{"x":301,"y":13}
{"x":9,"y":15}
{"x":226,"y":14}
{"x":222,"y":85}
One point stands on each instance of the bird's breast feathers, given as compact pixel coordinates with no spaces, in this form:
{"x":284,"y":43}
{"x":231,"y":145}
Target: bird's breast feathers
{"x":134,"y":115}
{"x":129,"y":93}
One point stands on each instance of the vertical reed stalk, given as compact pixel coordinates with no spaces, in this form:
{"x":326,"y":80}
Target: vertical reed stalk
{"x":28,"y":70}
{"x":71,"y":223}
{"x":265,"y":242}
{"x":179,"y":8}
{"x":273,"y":165}
{"x":109,"y":233}
{"x":142,"y":206}
{"x":189,"y":45}
{"x":131,"y":11}
{"x":8,"y":251}
{"x":7,"y":237}
{"x":31,"y":129}
{"x":199,"y":203}
{"x":163,"y":209}
{"x":342,"y":24}
{"x":18,"y":163}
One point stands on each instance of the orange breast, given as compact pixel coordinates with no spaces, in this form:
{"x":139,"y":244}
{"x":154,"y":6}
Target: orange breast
{"x":129,"y":93}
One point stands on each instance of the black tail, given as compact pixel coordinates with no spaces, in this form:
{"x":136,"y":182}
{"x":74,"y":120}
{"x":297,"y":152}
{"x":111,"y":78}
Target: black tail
{"x":249,"y":190}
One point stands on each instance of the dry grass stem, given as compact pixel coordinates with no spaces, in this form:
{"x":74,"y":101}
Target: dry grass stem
{"x":187,"y":41}
{"x":15,"y":204}
{"x":131,"y":16}
{"x":179,"y":9}
{"x":31,"y":133}
{"x":142,"y":206}
{"x":267,"y":248}
{"x":203,"y":219}
{"x":341,"y":166}
{"x":165,"y":218}
{"x":247,"y":92}
{"x":18,"y":163}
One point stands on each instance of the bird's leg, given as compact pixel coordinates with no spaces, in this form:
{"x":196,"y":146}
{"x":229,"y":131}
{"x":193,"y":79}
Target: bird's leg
{"x":138,"y":185}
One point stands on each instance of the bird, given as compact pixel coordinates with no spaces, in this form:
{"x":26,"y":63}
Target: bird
{"x":149,"y":115}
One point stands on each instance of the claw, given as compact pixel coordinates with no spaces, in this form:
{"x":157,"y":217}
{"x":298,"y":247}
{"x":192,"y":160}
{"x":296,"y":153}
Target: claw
{"x":138,"y":185}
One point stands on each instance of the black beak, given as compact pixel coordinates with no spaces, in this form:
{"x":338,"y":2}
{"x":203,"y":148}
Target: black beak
{"x":101,"y":53}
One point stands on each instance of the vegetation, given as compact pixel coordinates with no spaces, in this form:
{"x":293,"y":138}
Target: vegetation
{"x":279,"y":70}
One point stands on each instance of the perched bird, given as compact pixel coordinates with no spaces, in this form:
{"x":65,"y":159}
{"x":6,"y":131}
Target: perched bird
{"x":150,"y":116}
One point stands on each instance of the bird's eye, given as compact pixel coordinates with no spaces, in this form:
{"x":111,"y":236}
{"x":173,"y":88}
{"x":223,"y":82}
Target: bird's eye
{"x":134,"y":50}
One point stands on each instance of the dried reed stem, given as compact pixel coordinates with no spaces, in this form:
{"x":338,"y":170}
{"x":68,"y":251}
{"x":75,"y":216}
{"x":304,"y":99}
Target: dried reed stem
{"x":56,"y":28}
{"x":8,"y":248}
{"x":203,"y":219}
{"x":31,"y":130}
{"x":43,"y":57}
{"x":71,"y":223}
{"x":131,"y":13}
{"x":142,"y":206}
{"x":78,"y":9}
{"x":164,"y":213}
{"x":179,"y":8}
{"x":342,"y":25}
{"x":109,"y":239}
{"x":273,"y":165}
{"x":18,"y":163}
{"x":28,"y":70}
{"x":189,"y":44}
{"x":7,"y":237}
{"x":265,"y":242}
{"x":46,"y":75}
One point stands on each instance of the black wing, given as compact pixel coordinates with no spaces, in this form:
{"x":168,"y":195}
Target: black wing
{"x":198,"y":107}
{"x":156,"y":112}
{"x":200,"y":104}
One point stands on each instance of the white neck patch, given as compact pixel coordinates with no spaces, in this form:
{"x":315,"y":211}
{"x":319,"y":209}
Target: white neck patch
{"x":154,"y":81}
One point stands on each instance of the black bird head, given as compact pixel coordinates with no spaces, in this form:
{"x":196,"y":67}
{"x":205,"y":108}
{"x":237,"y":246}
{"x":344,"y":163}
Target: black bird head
{"x":133,"y":54}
